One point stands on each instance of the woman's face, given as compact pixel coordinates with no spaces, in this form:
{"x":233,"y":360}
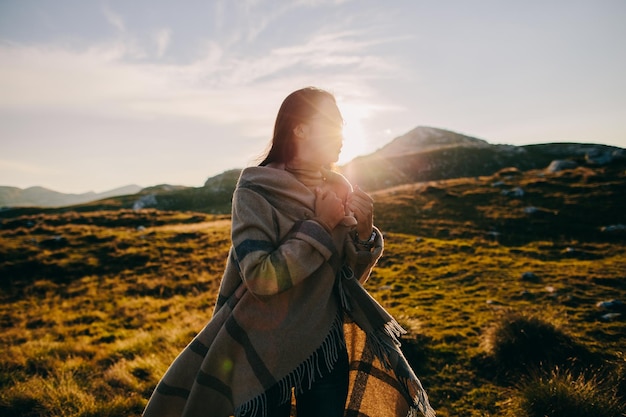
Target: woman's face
{"x":321,"y":137}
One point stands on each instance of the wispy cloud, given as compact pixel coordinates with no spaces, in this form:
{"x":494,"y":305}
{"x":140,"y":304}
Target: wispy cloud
{"x":226,"y":85}
{"x":113,"y":18}
{"x":162,"y":39}
{"x":101,"y":77}
{"x":347,"y":48}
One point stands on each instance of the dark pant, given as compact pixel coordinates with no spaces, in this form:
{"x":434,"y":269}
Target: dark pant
{"x":326,"y":398}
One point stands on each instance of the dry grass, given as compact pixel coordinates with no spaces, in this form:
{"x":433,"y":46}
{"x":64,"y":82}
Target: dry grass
{"x":96,"y":305}
{"x":562,"y":393}
{"x":100,"y":342}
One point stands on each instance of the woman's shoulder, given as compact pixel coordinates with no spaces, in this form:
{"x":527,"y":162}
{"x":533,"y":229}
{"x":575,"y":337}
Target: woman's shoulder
{"x":268,"y":177}
{"x":260,"y":172}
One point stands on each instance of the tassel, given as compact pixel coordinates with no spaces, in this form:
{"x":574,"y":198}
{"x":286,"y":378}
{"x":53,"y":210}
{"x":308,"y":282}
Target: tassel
{"x":253,"y":406}
{"x":305,"y":374}
{"x":394,"y":330}
{"x":420,"y":398}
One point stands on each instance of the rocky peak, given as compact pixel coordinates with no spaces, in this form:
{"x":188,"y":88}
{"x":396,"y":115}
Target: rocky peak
{"x":425,"y":138}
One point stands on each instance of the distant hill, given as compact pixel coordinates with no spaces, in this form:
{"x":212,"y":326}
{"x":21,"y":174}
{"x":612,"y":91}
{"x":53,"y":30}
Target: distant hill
{"x":43,"y":197}
{"x":423,"y":154}
{"x":423,"y":139}
{"x":427,"y":154}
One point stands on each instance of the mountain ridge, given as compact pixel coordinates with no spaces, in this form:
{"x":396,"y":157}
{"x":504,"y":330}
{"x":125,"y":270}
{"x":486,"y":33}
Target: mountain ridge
{"x":425,"y":138}
{"x":426,"y":154}
{"x":422,"y":154}
{"x":39,"y":196}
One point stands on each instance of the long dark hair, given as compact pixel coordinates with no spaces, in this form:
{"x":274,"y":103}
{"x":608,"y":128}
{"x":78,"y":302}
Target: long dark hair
{"x":298,"y":107}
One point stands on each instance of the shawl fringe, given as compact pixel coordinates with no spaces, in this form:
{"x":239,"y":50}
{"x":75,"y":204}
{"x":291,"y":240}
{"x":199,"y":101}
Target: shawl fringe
{"x":305,"y":374}
{"x":420,"y":399}
{"x":384,"y":341}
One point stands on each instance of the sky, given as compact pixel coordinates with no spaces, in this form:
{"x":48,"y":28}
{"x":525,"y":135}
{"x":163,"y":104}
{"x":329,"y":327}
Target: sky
{"x":98,"y":94}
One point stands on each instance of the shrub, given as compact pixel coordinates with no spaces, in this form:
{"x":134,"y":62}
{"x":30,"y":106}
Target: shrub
{"x":21,"y":406}
{"x":563,"y":394}
{"x":521,"y":343}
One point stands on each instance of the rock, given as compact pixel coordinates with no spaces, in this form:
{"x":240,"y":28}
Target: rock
{"x":526,"y":294}
{"x":561,"y":164}
{"x":54,"y":242}
{"x":145,"y":201}
{"x":538,"y":211}
{"x":614,"y":228}
{"x":516,"y":192}
{"x":530,"y":277}
{"x":610,"y":316}
{"x":597,"y":157}
{"x":619,"y":154}
{"x":493,"y":235}
{"x":613,"y":305}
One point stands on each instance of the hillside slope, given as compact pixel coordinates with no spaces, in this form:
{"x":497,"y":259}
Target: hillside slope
{"x":43,"y":197}
{"x":100,"y":302}
{"x":423,"y":154}
{"x":427,"y":154}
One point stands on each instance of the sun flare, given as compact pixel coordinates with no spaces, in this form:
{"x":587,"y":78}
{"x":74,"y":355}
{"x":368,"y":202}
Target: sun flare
{"x":354,"y":143}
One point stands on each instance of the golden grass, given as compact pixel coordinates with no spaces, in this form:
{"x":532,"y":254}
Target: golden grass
{"x":91,"y":321}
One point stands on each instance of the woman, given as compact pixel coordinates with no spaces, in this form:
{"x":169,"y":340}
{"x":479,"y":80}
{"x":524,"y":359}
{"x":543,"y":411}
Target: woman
{"x":292,"y":315}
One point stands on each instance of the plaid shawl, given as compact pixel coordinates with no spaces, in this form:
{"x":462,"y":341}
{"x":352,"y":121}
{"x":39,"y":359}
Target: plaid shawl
{"x":290,"y":298}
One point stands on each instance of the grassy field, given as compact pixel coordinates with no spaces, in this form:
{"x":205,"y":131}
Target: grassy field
{"x":500,"y":293}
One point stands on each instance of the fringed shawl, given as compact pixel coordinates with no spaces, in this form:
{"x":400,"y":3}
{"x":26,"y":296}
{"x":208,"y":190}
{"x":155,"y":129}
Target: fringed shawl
{"x":289,"y":300}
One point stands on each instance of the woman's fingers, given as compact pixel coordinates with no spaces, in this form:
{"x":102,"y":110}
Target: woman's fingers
{"x":360,"y":194}
{"x":329,"y":207}
{"x":364,"y":206}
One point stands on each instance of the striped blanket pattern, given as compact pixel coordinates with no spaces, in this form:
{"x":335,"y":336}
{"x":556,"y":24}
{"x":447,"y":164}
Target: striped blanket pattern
{"x":290,"y":298}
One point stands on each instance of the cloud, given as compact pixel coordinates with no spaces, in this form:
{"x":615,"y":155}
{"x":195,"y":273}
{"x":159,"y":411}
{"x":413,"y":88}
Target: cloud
{"x":113,"y":18}
{"x":43,"y":77}
{"x":162,"y":39}
{"x":349,"y":49}
{"x":221,"y":87}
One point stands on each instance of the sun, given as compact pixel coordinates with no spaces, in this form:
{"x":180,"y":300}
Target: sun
{"x":353,"y":132}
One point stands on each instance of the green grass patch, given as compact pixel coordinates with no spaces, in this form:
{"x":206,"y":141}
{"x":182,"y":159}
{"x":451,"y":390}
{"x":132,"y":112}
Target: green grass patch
{"x":95,"y":305}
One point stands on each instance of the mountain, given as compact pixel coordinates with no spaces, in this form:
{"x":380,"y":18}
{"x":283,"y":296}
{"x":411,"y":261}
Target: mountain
{"x":423,"y":139}
{"x":227,"y":180}
{"x":427,"y":154}
{"x":423,"y":154}
{"x":43,"y":197}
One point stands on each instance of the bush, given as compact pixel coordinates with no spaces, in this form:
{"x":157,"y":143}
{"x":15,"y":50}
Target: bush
{"x":562,"y":394}
{"x":21,"y":406}
{"x":521,"y":343}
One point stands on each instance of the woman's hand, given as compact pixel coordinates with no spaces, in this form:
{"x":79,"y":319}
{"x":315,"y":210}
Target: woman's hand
{"x":329,"y":209}
{"x":362,"y":207}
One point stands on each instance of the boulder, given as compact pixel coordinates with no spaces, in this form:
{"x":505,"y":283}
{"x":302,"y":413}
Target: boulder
{"x":516,"y":192}
{"x":598,"y":158}
{"x":530,"y":277}
{"x":561,"y":164}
